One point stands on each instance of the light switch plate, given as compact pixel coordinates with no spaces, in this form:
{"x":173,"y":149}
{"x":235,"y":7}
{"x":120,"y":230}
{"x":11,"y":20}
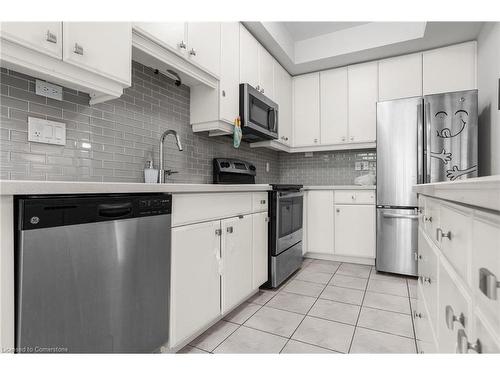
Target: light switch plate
{"x":358,"y":165}
{"x":48,"y":89}
{"x":45,"y":131}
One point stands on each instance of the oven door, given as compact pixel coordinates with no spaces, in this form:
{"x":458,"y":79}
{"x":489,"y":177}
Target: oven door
{"x":288,"y":220}
{"x":258,"y":113}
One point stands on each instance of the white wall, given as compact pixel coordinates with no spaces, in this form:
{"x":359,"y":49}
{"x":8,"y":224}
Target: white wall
{"x":488,"y":74}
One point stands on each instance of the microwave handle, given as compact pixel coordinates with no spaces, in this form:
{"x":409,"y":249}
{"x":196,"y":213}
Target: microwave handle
{"x":274,"y":111}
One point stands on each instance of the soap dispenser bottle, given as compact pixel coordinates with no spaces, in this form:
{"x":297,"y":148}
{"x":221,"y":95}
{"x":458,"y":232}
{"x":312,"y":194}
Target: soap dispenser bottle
{"x":150,"y":173}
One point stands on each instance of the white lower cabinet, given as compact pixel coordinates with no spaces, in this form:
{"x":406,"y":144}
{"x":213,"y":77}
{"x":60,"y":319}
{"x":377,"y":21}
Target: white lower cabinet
{"x":236,"y":255}
{"x":320,"y":224}
{"x":195,"y":279}
{"x":355,"y":230}
{"x":458,"y":264}
{"x":215,"y":264}
{"x":260,"y":223}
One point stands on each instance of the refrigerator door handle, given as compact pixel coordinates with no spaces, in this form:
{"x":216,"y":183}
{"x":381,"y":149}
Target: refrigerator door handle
{"x":400,"y":216}
{"x":420,"y":144}
{"x":427,"y":151}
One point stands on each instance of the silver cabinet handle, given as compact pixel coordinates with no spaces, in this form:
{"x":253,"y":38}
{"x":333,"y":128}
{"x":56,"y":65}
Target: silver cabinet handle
{"x":266,"y":219}
{"x":425,"y":280}
{"x":52,"y":38}
{"x":263,"y":201}
{"x":192,"y":52}
{"x":417,"y":256}
{"x":182,"y":45}
{"x":451,"y":318}
{"x":229,"y":230}
{"x":352,"y":138}
{"x":257,"y":88}
{"x":440,"y":234}
{"x":315,"y":140}
{"x":218,"y":232}
{"x":488,"y":283}
{"x":223,"y":93}
{"x":338,"y":210}
{"x":463,"y":344}
{"x":400,"y":216}
{"x":78,"y":49}
{"x":343,"y":139}
{"x":428,"y":218}
{"x":417,"y":315}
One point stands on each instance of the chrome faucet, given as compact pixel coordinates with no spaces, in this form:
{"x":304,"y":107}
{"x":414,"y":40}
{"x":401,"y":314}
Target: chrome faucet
{"x":179,"y":146}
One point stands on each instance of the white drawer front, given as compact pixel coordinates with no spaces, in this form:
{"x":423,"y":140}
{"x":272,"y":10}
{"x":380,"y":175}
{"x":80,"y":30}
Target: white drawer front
{"x":455,"y":310}
{"x":486,"y":266}
{"x":423,"y":328}
{"x":453,"y":234}
{"x":430,"y":218}
{"x":355,"y":196}
{"x":192,"y":208}
{"x":260,"y":202}
{"x":428,"y":277}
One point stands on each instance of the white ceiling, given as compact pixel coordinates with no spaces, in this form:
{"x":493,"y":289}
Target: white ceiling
{"x":303,"y":47}
{"x":305,"y":30}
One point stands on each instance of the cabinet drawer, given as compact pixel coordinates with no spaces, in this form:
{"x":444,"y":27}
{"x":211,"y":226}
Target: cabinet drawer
{"x":430,"y":218}
{"x":486,"y":266}
{"x":455,"y":310}
{"x":192,"y":208}
{"x":453,"y":237}
{"x":485,"y":337}
{"x":260,"y":202}
{"x":428,"y":277}
{"x":354,"y":196}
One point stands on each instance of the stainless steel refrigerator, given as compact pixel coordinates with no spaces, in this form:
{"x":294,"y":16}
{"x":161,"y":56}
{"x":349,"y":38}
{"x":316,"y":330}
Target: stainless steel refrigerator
{"x":419,"y":140}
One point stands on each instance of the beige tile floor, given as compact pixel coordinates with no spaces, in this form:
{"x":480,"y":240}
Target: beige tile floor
{"x":326,"y":307}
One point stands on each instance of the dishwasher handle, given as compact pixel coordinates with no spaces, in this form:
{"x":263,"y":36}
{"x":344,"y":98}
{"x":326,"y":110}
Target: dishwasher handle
{"x":114,"y":210}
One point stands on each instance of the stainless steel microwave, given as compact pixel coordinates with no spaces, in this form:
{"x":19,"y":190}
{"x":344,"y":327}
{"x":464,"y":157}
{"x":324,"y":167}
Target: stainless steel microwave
{"x":259,"y":115}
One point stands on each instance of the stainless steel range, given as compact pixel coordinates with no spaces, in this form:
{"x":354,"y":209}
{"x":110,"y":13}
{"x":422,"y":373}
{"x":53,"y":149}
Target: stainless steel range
{"x":285,"y":232}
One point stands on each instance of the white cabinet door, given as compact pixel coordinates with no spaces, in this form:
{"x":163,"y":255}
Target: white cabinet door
{"x":283,"y":96}
{"x":167,"y":34}
{"x":103,"y":48}
{"x":363,"y":97}
{"x":333,"y":94}
{"x":44,"y":37}
{"x":266,"y":73}
{"x":236,"y":261}
{"x":320,"y":222}
{"x":195,"y":280}
{"x":230,"y":69}
{"x":249,"y":58}
{"x":260,"y":225}
{"x":400,"y":77}
{"x":451,"y":68}
{"x":204,"y":45}
{"x":306,"y":110}
{"x":355,"y":230}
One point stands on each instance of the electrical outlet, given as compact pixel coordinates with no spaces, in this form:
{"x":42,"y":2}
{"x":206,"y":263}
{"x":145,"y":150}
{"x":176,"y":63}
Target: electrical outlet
{"x":358,"y":165}
{"x":44,"y":131}
{"x":49,"y":90}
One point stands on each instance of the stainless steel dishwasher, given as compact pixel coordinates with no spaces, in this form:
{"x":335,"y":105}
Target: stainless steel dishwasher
{"x":92,"y":273}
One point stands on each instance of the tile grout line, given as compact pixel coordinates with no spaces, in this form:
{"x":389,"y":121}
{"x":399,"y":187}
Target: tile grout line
{"x":307,"y":312}
{"x":412,"y":320}
{"x":360,"y":309}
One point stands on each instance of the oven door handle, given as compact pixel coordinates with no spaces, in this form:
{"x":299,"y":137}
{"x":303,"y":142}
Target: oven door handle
{"x":290,"y":195}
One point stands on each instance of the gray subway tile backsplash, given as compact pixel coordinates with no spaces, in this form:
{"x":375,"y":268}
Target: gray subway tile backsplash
{"x":110,"y":141}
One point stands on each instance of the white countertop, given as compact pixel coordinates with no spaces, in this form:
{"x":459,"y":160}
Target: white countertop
{"x":339,"y":187}
{"x":480,"y":191}
{"x":17,"y":187}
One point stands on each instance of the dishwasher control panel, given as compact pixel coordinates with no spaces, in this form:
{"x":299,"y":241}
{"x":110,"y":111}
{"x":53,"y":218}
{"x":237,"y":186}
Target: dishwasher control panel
{"x":155,"y":206}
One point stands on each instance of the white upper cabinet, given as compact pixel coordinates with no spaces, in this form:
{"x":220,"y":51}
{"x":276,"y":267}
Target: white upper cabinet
{"x":363,"y":97}
{"x":167,"y":34}
{"x":283,"y":96}
{"x":104,"y":48}
{"x":334,"y":106}
{"x":204,"y":45}
{"x":451,"y":68}
{"x":266,"y":73}
{"x":44,"y":37}
{"x":306,"y":110}
{"x":249,"y":58}
{"x":230,"y":71}
{"x":400,"y":77}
